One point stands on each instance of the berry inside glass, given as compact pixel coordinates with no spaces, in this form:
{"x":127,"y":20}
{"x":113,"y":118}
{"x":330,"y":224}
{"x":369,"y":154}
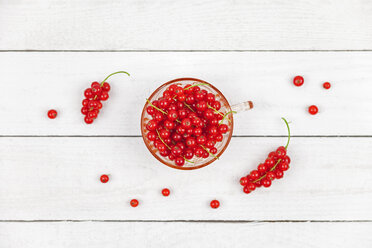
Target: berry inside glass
{"x":187,"y":123}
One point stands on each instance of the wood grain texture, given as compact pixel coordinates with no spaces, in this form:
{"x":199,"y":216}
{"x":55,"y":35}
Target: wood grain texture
{"x":58,"y":179}
{"x":96,"y":235}
{"x":186,"y":25}
{"x":32,"y":83}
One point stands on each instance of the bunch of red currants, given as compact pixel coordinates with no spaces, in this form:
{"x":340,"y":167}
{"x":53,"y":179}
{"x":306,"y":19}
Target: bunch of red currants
{"x":93,"y":96}
{"x":273,"y":168}
{"x":186,"y":122}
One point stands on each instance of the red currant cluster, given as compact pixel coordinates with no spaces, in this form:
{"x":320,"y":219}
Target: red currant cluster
{"x":93,"y":96}
{"x":186,"y":122}
{"x":273,"y":168}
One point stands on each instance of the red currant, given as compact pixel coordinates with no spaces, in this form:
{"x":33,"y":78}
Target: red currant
{"x":106,"y":86}
{"x":104,"y":178}
{"x":298,"y":80}
{"x":88,"y":120}
{"x":326,"y":85}
{"x":165,"y":192}
{"x":313,"y":109}
{"x":243,"y":181}
{"x":215,"y":204}
{"x":266,"y":182}
{"x":180,"y":161}
{"x":134,"y":203}
{"x":52,"y":114}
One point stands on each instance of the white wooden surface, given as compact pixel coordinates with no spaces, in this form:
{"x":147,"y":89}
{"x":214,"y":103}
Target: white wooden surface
{"x":103,"y":234}
{"x":50,"y":194}
{"x":186,"y":25}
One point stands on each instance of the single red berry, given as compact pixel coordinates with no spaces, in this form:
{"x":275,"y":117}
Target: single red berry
{"x":199,"y":152}
{"x":165,"y":192}
{"x":85,"y":102}
{"x":84,"y":110}
{"x":281,"y":152}
{"x":246,"y":190}
{"x":254,"y":174}
{"x":92,"y":114}
{"x":216,"y":105}
{"x":189,"y":154}
{"x":134,"y":203}
{"x":88,"y":93}
{"x":283,"y":166}
{"x":251,"y":186}
{"x":266,"y":182}
{"x":313,"y":109}
{"x":186,"y":123}
{"x":279,"y":174}
{"x":180,"y":161}
{"x":106,"y":86}
{"x":99,"y":105}
{"x":88,"y":120}
{"x":215,"y":204}
{"x":104,"y":96}
{"x":151,"y":125}
{"x":223,"y":128}
{"x":262,"y":168}
{"x":326,"y":85}
{"x":298,"y":80}
{"x":286,"y":159}
{"x":213,"y":150}
{"x":243,"y":181}
{"x":151,"y":136}
{"x":104,"y":178}
{"x":270,"y":175}
{"x":269,"y":162}
{"x":52,"y":114}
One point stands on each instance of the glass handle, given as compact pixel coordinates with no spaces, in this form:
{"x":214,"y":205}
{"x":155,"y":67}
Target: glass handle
{"x":241,"y":107}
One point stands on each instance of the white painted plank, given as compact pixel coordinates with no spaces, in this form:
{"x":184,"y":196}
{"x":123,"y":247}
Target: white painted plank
{"x":96,"y":235}
{"x":223,"y":24}
{"x":32,"y":83}
{"x":58,"y":178}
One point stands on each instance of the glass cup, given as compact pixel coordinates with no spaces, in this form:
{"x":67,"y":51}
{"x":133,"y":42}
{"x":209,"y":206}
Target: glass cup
{"x":195,"y":162}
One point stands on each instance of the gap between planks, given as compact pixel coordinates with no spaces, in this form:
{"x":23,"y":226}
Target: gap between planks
{"x":197,"y":221}
{"x":191,"y":51}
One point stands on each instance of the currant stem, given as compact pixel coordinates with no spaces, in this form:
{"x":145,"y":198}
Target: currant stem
{"x":156,"y":107}
{"x":162,"y":139}
{"x":273,"y":168}
{"x":195,"y":85}
{"x":189,"y":107}
{"x":230,"y":112}
{"x":209,"y":152}
{"x":113,"y":74}
{"x":215,"y":110}
{"x":289,"y":132}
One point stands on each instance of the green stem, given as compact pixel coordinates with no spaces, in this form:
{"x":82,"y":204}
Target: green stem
{"x":273,"y":168}
{"x":189,"y":107}
{"x":233,"y":112}
{"x":289,"y":132}
{"x":215,"y":110}
{"x":162,"y":139}
{"x":195,"y":85}
{"x":114,"y":74}
{"x":269,"y":171}
{"x":209,"y":152}
{"x":152,"y":105}
{"x":187,"y":160}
